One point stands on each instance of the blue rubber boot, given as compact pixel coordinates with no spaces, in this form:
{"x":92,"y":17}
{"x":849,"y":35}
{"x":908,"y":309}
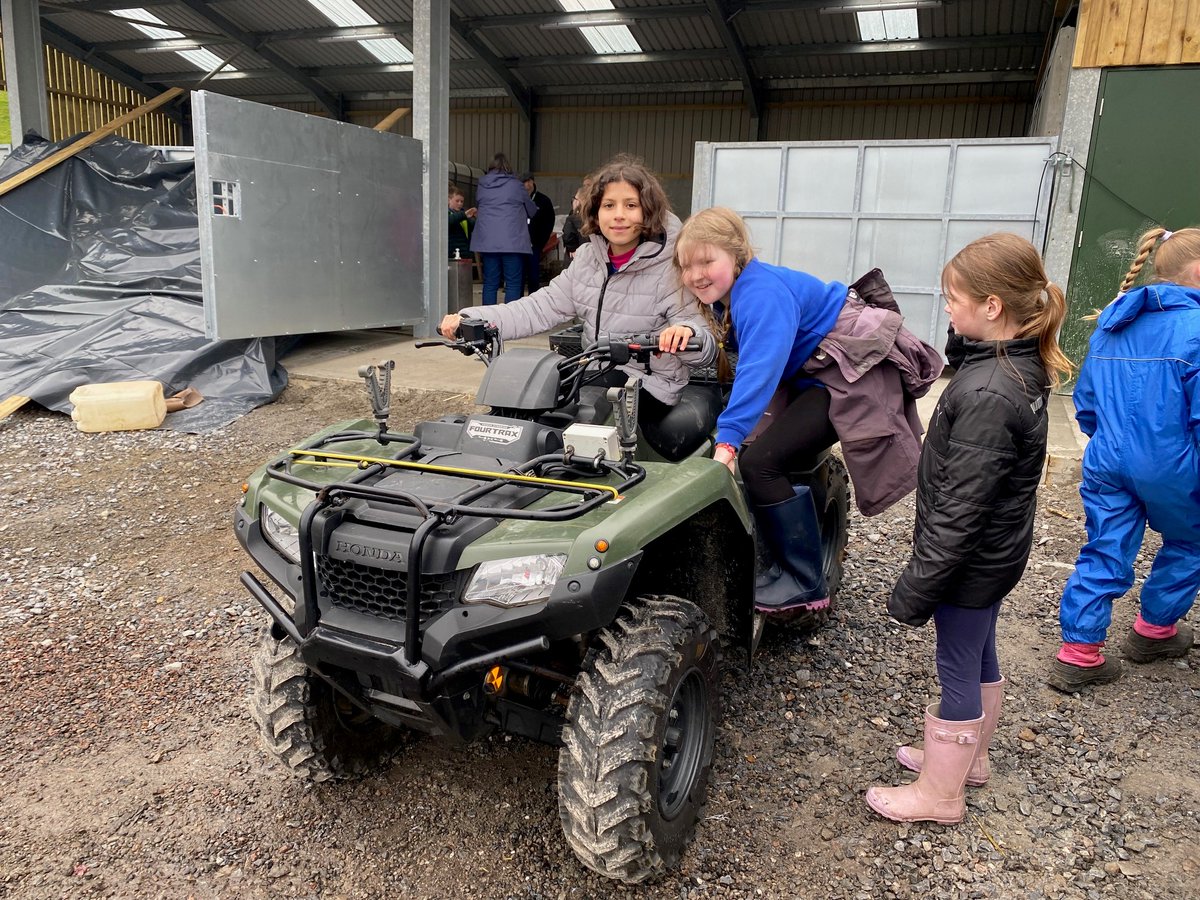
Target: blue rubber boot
{"x":797,"y":577}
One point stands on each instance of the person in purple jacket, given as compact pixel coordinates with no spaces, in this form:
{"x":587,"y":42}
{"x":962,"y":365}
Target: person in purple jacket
{"x":779,"y":316}
{"x":501,"y":235}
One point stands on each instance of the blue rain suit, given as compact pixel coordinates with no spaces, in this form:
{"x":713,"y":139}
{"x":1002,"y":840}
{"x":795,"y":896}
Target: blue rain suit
{"x":1138,"y":399}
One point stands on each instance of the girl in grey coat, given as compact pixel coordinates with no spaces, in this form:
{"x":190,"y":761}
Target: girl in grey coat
{"x":621,"y":281}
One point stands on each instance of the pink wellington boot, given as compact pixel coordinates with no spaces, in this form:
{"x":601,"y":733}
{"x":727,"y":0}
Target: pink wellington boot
{"x":993,"y":698}
{"x":938,"y":794}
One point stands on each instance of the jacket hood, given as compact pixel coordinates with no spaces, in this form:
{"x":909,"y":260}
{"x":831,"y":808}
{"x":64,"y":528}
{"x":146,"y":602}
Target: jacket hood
{"x":1149,"y":298}
{"x":491,"y":180}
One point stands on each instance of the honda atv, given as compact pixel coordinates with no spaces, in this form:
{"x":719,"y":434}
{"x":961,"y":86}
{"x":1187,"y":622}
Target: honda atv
{"x":540,"y":569}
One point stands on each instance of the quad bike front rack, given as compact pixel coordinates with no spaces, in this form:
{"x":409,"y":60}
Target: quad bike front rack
{"x":432,"y":512}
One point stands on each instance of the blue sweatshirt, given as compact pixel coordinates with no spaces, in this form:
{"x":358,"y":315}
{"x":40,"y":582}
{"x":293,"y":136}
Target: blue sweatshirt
{"x":780,"y":316}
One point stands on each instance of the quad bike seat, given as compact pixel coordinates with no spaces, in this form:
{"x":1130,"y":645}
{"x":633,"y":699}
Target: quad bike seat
{"x":687,"y":424}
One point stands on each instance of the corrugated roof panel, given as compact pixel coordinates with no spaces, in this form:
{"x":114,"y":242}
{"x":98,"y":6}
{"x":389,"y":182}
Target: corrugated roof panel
{"x":757,"y":29}
{"x":274,"y":15}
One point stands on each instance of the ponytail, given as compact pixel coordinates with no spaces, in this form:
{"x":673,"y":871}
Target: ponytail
{"x":1145,"y":244}
{"x":720,"y":330}
{"x":1009,"y":267}
{"x":1045,"y":325}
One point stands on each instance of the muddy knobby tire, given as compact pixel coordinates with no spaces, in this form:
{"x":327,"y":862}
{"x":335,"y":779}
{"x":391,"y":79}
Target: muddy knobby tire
{"x":638,"y":743}
{"x":302,"y":722}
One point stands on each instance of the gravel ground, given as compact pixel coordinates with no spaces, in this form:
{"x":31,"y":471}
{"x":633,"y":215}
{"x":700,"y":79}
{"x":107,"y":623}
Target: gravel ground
{"x":129,"y":766}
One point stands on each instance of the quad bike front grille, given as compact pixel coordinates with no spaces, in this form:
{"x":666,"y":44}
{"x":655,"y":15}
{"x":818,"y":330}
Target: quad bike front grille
{"x":380,"y":592}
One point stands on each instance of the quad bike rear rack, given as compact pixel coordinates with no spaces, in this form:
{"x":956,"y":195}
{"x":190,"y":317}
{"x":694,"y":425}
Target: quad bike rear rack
{"x":433,"y":512}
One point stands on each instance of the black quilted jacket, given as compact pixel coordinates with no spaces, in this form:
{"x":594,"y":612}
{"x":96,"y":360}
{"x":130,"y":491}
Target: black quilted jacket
{"x":977,"y":483}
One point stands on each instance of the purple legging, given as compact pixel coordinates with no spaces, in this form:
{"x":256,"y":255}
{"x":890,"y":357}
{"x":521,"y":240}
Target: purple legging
{"x":966,"y":657}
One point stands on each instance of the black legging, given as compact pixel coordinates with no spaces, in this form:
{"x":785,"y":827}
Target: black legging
{"x":792,"y":443}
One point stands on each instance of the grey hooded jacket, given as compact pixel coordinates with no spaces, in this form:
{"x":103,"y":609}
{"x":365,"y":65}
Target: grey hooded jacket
{"x":643,"y":296}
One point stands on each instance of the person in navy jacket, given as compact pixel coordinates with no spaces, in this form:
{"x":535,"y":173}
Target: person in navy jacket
{"x":1138,"y":400}
{"x":501,"y":235}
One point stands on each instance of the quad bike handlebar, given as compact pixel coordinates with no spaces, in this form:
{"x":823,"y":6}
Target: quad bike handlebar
{"x":593,"y":363}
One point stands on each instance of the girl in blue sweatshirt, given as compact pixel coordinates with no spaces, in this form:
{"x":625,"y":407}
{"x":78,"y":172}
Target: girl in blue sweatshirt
{"x":778,"y":317}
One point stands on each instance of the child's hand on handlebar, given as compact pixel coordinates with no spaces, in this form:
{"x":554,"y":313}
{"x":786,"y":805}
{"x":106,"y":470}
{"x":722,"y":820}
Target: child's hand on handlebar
{"x":449,"y":325}
{"x":675,"y":338}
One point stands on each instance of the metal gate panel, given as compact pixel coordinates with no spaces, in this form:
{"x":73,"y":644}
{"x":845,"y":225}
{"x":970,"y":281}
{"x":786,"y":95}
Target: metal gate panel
{"x":306,"y":224}
{"x":838,"y":209}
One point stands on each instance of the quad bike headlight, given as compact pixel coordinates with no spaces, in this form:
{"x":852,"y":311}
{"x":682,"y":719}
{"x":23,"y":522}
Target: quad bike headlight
{"x":282,"y":535}
{"x":515,"y":581}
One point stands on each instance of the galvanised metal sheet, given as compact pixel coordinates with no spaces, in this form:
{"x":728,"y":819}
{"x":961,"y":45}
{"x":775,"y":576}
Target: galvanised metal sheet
{"x":306,"y":224}
{"x":838,"y":209}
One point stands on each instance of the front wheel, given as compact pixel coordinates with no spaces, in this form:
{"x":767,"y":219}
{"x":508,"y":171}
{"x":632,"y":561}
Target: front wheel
{"x":315,"y":732}
{"x":638,"y":743}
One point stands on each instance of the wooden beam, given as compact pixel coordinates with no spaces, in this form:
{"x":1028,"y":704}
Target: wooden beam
{"x":10,"y":405}
{"x":392,"y":118}
{"x":83,"y":143}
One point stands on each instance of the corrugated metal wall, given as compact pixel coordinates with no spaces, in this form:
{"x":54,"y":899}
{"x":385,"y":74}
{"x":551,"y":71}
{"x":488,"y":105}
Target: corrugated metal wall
{"x":81,"y":99}
{"x":575,"y":134}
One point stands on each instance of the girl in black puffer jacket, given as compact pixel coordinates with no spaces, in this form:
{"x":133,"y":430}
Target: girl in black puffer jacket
{"x":976,"y":494}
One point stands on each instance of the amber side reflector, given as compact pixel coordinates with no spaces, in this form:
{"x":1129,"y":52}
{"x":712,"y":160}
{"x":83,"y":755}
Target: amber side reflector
{"x":493,"y":681}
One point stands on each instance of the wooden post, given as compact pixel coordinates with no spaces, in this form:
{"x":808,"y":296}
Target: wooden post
{"x":392,"y":118}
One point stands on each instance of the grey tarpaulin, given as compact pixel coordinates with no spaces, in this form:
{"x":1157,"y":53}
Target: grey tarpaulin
{"x":100,"y":281}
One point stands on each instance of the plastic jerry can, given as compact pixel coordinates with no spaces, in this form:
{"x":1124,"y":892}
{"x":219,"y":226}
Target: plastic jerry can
{"x":118,"y":406}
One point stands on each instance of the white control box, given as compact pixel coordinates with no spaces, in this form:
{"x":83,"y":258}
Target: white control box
{"x":588,"y":440}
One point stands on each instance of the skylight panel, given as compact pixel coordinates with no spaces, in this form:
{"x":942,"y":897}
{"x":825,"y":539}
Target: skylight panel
{"x":888,"y":25}
{"x":347,"y":13}
{"x":204,"y":60}
{"x":603,"y":38}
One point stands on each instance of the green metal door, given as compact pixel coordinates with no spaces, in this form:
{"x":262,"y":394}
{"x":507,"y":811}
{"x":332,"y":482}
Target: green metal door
{"x":1144,"y":170}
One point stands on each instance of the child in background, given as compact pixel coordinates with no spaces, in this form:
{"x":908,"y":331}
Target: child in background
{"x":976,"y":496}
{"x":461,"y":223}
{"x":1138,"y":399}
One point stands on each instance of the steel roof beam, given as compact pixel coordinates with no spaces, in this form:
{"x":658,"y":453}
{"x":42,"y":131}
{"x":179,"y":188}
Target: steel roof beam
{"x":186,"y":77}
{"x":786,"y":50}
{"x":349,"y":33}
{"x":517,"y":90}
{"x":926,"y":79}
{"x":102,"y":5}
{"x":332,"y":104}
{"x":720,"y":16}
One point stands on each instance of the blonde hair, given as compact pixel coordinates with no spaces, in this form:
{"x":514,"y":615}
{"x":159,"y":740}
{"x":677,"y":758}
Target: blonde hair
{"x":1173,"y":252}
{"x":1009,"y":267}
{"x":719,"y":227}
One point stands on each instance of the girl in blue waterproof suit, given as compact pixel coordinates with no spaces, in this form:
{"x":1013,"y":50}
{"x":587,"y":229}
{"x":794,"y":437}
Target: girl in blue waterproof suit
{"x":1138,"y":399}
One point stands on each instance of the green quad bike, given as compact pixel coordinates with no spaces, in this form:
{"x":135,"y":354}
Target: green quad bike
{"x":525,"y":570}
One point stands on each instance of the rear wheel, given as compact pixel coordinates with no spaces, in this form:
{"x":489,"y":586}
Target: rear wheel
{"x":638,"y":743}
{"x":314,"y":731}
